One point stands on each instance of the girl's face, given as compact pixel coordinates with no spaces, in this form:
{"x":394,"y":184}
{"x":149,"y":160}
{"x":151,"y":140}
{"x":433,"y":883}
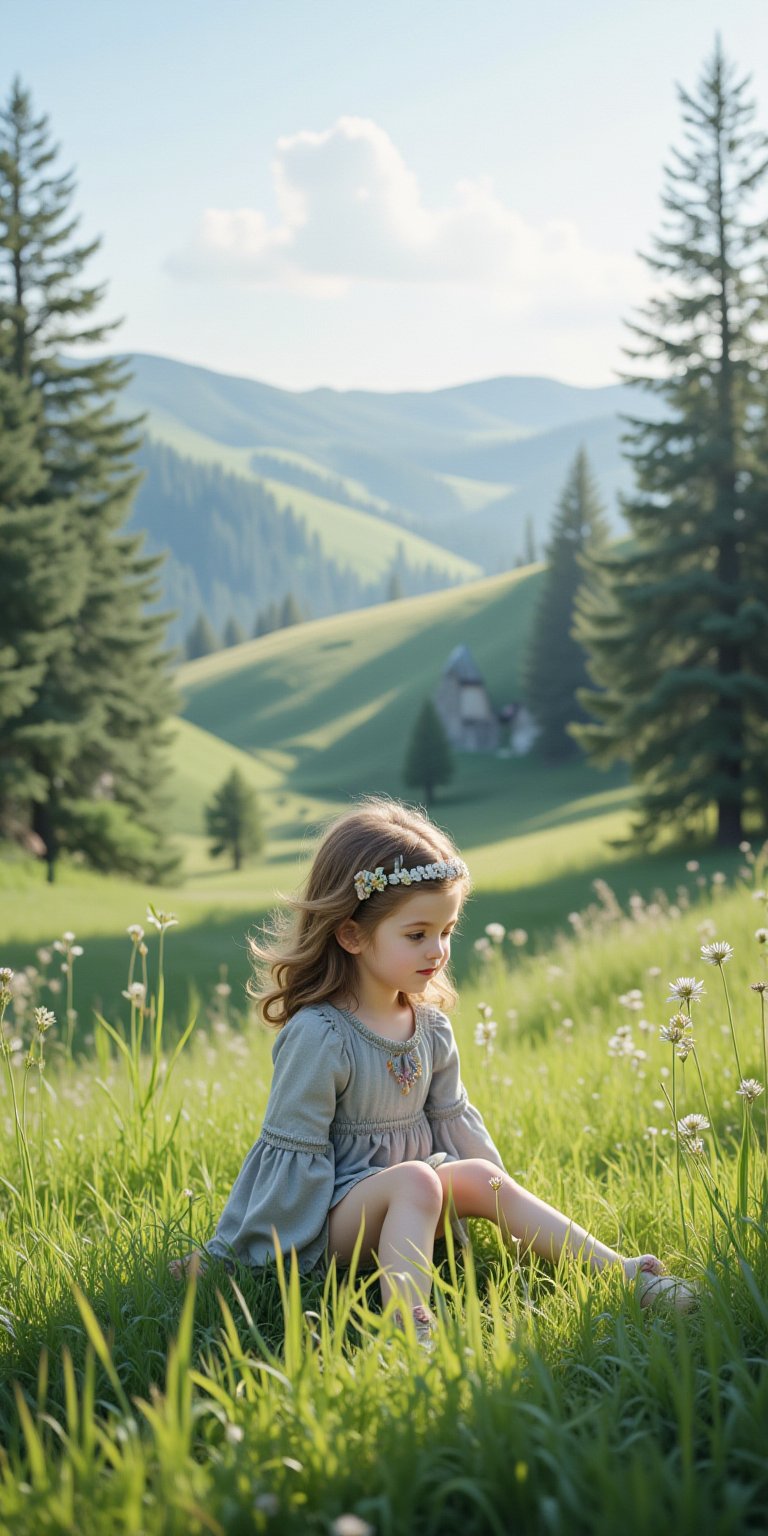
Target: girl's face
{"x":409,"y":946}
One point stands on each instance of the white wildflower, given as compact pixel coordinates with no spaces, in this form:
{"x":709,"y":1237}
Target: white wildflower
{"x":44,"y":1019}
{"x":161,"y":920}
{"x":632,"y":1000}
{"x":135,"y":932}
{"x":495,"y":932}
{"x":136,"y":994}
{"x":685,"y":989}
{"x":717,"y":953}
{"x":749,"y":1089}
{"x":692,"y":1125}
{"x":519,"y":937}
{"x":693,"y":866}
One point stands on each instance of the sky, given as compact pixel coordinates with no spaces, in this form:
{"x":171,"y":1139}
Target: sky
{"x":379,"y":194}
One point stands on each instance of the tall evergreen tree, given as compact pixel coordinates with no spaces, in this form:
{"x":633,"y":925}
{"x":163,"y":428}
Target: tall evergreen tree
{"x":95,"y":725}
{"x":428,"y":759}
{"x":555,"y":665}
{"x":680,"y":644}
{"x":233,"y":820}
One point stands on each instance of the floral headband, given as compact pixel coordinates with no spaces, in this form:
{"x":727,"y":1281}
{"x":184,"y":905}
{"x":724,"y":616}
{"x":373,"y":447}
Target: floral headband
{"x":369,"y":880}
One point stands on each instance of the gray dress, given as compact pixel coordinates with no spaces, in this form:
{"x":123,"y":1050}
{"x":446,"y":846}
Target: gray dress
{"x":345,"y":1103}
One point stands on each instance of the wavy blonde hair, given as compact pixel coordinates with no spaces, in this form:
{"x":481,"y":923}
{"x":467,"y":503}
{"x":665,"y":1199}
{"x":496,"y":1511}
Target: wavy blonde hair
{"x":299,"y":960}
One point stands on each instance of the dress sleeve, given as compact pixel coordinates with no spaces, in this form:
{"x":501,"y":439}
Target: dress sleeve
{"x":286,"y":1183}
{"x":458,"y":1129}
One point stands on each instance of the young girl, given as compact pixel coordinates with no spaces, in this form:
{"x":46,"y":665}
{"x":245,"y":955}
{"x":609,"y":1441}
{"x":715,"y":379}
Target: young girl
{"x":368,"y":1124}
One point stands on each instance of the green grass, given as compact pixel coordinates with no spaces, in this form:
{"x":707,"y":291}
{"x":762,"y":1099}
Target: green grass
{"x":551,"y":1404}
{"x":360,"y":540}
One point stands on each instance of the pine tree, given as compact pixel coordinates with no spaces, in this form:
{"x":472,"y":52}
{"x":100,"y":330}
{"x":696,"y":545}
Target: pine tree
{"x":202,"y":638}
{"x":680,"y":644}
{"x":234,"y":634}
{"x":428,"y":759}
{"x":555,"y":665}
{"x":290,"y":612}
{"x":233,"y":820}
{"x":88,"y":747}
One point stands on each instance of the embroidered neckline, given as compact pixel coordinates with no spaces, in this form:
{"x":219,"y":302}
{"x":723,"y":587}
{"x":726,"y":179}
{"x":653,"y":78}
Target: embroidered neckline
{"x":392,"y":1047}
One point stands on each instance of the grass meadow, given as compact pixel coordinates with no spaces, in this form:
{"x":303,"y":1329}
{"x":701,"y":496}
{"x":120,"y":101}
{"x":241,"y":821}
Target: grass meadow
{"x":266,"y":1402}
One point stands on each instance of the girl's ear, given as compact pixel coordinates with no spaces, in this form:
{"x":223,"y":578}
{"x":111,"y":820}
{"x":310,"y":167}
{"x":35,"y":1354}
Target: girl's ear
{"x":349,"y":936}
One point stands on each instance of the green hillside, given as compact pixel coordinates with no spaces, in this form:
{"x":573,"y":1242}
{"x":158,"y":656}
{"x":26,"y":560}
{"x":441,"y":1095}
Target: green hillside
{"x":315,"y":716}
{"x":348,"y":535}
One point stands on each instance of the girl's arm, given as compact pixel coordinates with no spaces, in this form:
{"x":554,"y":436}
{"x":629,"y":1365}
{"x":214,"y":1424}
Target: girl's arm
{"x":458,"y":1129}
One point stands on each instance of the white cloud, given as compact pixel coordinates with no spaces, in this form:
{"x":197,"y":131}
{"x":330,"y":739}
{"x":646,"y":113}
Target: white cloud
{"x":350,"y":211}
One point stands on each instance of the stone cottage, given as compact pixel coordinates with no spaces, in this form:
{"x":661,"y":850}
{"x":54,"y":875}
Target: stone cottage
{"x":462,"y":702}
{"x":470,"y":720}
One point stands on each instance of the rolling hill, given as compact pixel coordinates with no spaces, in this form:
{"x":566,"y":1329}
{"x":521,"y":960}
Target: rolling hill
{"x":446,"y":480}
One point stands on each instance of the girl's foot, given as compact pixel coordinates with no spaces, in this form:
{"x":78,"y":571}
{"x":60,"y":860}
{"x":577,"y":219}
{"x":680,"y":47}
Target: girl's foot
{"x":192,"y":1263}
{"x":653,"y":1286}
{"x":424,"y":1324}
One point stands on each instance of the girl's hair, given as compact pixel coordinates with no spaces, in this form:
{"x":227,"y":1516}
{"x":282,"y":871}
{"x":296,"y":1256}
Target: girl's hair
{"x":300,"y":961}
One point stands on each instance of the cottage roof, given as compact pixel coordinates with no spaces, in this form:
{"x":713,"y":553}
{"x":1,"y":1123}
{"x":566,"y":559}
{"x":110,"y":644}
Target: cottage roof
{"x":462,"y":665}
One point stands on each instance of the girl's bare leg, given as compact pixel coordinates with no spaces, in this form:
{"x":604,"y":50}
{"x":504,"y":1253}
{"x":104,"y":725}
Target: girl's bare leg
{"x":521,"y":1216}
{"x":399,"y":1209}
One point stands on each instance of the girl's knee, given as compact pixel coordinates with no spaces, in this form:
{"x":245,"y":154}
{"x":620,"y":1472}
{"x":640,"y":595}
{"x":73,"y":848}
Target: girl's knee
{"x":476,"y":1173}
{"x":419,"y":1184}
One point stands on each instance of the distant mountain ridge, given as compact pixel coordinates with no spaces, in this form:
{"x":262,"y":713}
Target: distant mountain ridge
{"x":458,"y":480}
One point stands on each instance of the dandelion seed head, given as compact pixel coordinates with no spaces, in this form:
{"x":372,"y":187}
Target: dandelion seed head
{"x":749,"y":1089}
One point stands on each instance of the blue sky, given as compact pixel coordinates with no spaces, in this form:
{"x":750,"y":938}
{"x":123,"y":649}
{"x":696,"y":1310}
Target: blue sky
{"x":381,"y":195}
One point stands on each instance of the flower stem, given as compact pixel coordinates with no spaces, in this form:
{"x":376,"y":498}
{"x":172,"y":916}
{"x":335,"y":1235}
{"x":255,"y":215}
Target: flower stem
{"x":730,"y":1021}
{"x":677,"y":1156}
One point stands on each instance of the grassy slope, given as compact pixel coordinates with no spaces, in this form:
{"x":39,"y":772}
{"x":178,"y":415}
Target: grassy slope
{"x":319,"y":714}
{"x":550,"y":1405}
{"x":358,"y":539}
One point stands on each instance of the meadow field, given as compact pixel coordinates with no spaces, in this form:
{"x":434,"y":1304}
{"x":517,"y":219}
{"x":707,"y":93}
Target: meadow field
{"x":266,"y":1402}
